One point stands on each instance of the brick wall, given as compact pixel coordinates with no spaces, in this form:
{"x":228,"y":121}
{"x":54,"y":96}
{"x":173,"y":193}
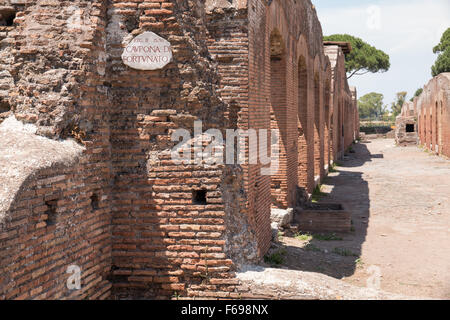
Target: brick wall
{"x":304,"y":180}
{"x":349,"y":113}
{"x":318,"y":129}
{"x":62,"y":219}
{"x":54,"y":57}
{"x":433,"y":115}
{"x":343,"y":105}
{"x":327,"y":118}
{"x":163,"y":241}
{"x":256,"y":113}
{"x":138,"y":224}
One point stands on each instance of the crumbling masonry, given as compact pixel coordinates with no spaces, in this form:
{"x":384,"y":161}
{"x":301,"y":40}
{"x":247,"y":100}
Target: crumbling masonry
{"x":406,"y":126}
{"x":86,"y":176}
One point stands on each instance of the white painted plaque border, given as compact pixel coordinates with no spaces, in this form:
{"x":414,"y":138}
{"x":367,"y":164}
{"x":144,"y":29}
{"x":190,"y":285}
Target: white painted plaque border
{"x":147,"y":51}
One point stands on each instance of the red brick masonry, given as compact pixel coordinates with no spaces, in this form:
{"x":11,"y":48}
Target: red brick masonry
{"x":137,"y":224}
{"x":432,"y":112}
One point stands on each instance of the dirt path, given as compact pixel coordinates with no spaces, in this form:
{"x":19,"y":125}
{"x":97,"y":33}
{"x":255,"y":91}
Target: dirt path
{"x":400,"y":203}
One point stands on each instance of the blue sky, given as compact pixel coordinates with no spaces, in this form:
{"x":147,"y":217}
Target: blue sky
{"x":407,"y":30}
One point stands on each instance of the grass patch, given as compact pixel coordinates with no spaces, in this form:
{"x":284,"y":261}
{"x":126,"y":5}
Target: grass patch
{"x":176,"y":296}
{"x":319,"y":236}
{"x":280,"y":235}
{"x":427,"y":150}
{"x":359,"y":262}
{"x":333,"y":168}
{"x":327,"y":237}
{"x":276,"y":258}
{"x":317,"y":194}
{"x":344,"y":252}
{"x":303,"y":236}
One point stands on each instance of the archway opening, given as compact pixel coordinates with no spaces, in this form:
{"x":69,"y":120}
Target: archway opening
{"x":303,"y":137}
{"x":440,"y":113}
{"x":436,"y":129}
{"x":430,"y":133}
{"x":327,"y":133}
{"x":278,"y":116}
{"x":317,"y":128}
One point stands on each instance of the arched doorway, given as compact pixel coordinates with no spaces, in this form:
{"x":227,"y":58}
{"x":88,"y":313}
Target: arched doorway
{"x":318,"y":130}
{"x":303,"y":138}
{"x":441,"y":114}
{"x":278,"y":116}
{"x":436,"y":128}
{"x":327,"y":133}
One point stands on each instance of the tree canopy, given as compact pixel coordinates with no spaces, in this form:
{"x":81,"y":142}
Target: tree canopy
{"x":371,"y":105}
{"x":397,"y":105}
{"x":442,"y":63}
{"x":418,"y":93}
{"x":364,"y":58}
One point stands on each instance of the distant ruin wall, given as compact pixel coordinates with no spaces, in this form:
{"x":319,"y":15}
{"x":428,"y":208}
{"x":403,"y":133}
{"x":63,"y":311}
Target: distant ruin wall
{"x":433,"y":115}
{"x":344,"y":109}
{"x":406,"y":131}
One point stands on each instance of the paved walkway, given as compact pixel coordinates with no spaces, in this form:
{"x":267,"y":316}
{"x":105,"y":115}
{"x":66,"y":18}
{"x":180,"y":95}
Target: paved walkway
{"x":400,"y":202}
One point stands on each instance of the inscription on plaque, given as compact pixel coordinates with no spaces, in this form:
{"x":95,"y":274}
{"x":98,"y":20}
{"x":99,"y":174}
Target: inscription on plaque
{"x":148,"y":51}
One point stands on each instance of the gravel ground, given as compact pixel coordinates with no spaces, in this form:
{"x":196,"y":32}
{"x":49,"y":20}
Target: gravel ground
{"x":400,"y":240}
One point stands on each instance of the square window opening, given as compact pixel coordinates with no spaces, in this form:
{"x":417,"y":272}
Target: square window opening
{"x":410,"y":128}
{"x":199,"y":197}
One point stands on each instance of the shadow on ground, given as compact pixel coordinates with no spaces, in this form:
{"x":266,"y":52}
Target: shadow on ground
{"x":336,"y":255}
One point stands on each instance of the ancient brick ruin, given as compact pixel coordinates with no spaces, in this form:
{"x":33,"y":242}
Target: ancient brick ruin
{"x":428,"y":116}
{"x":86,"y":174}
{"x":406,"y":126}
{"x":433,"y":115}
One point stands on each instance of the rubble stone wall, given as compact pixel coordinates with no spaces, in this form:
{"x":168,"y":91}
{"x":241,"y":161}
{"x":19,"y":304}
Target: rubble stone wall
{"x":52,"y":59}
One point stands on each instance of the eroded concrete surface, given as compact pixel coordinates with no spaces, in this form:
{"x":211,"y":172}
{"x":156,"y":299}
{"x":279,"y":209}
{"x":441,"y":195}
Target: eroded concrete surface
{"x":399,"y":197}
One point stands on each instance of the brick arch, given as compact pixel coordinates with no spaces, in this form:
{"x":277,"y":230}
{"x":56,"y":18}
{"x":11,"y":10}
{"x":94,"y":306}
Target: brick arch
{"x":425,"y":126}
{"x":279,"y":35}
{"x":327,"y":115}
{"x":445,"y":125}
{"x":435,"y":126}
{"x":318,"y":121}
{"x":305,"y":116}
{"x":439,"y":128}
{"x":430,"y":124}
{"x":279,"y":115}
{"x":303,"y":134}
{"x":419,"y":122}
{"x":277,"y":20}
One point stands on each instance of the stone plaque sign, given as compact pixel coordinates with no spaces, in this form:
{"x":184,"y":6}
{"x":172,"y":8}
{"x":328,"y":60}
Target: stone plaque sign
{"x":148,"y":51}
